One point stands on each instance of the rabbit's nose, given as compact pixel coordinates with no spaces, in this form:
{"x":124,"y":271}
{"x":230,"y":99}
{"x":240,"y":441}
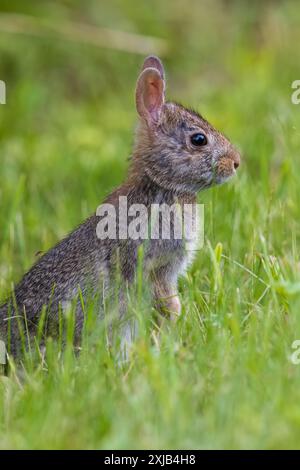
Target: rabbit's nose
{"x":236,"y":159}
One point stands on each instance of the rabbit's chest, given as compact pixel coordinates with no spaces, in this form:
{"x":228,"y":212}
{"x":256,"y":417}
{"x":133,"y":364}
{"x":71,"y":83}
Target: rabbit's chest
{"x":175,"y":240}
{"x":168,"y":253}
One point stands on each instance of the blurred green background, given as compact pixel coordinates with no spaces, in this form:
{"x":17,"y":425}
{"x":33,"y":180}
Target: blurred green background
{"x":66,"y":133}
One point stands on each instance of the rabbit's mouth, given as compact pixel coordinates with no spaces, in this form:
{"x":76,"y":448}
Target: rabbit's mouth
{"x":221,"y":179}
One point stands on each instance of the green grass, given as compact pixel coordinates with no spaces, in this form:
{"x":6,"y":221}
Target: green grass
{"x":222,"y":376}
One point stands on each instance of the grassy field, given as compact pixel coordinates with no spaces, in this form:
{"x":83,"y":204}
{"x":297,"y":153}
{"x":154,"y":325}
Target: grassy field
{"x":222,"y":376}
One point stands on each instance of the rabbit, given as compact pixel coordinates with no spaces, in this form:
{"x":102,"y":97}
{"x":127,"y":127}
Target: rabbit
{"x":176,"y":154}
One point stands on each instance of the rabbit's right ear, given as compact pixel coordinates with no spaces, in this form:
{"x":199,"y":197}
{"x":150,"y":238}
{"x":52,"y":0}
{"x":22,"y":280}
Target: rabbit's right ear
{"x":150,"y":94}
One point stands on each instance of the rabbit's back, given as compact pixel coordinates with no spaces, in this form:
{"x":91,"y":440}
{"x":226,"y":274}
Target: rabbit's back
{"x":79,"y":263}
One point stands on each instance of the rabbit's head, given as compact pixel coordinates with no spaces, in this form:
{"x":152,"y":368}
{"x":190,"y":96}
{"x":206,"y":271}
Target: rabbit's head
{"x":176,"y":147}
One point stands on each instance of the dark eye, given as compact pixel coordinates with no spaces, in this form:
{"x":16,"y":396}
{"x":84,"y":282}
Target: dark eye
{"x":198,"y":139}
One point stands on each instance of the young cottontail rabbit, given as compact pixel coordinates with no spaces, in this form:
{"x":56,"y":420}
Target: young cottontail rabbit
{"x":176,"y":154}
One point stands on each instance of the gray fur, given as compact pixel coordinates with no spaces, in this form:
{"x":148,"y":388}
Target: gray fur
{"x":165,"y":168}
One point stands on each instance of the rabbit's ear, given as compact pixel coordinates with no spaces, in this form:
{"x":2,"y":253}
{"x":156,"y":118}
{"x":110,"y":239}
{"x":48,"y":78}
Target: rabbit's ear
{"x":150,"y":95}
{"x":155,"y":63}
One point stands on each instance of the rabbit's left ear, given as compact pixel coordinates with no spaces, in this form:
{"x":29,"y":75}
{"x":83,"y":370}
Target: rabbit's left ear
{"x":150,"y":94}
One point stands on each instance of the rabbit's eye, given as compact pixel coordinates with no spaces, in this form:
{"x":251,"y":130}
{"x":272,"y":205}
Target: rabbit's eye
{"x":198,"y":139}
